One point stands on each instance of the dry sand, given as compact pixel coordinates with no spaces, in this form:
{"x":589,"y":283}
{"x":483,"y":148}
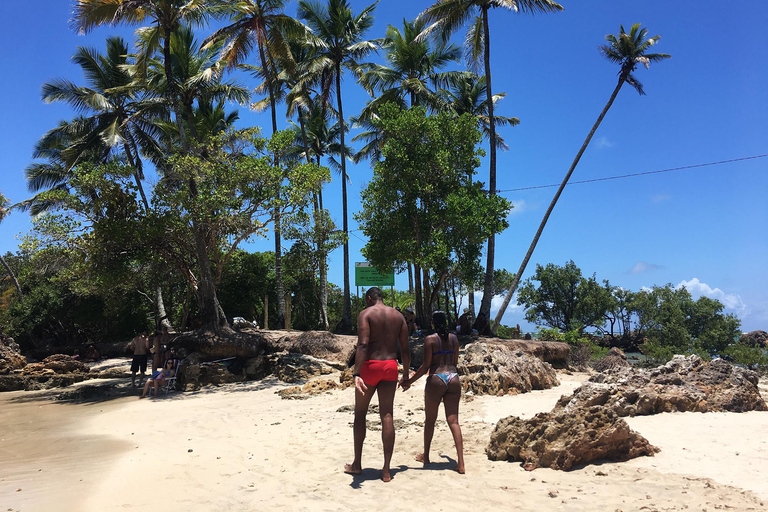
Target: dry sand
{"x":243,"y":448}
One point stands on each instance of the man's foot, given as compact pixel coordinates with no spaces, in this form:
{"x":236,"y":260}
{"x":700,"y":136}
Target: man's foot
{"x":142,"y":396}
{"x":421,"y":458}
{"x":385,"y":476}
{"x":351,"y":469}
{"x":459,"y":470}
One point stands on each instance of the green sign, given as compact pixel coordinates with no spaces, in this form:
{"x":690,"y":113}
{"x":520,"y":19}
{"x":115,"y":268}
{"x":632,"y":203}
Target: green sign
{"x":366,"y":275}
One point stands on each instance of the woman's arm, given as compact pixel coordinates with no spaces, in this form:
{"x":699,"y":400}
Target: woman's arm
{"x":456,"y":352}
{"x":426,"y":362}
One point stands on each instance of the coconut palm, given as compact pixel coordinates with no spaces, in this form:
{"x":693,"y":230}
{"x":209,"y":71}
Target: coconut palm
{"x":466,"y":93}
{"x":4,"y":211}
{"x":445,"y":18}
{"x":627,"y":50}
{"x":263,"y":25}
{"x":339,"y":42}
{"x":119,"y":114}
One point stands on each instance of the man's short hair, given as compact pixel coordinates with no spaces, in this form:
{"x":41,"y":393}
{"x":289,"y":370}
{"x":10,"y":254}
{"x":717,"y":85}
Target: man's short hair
{"x":373,"y":293}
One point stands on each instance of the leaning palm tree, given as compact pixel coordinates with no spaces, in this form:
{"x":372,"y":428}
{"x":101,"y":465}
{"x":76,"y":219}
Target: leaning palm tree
{"x":4,"y":210}
{"x":627,"y":50}
{"x":446,"y":17}
{"x":339,"y":41}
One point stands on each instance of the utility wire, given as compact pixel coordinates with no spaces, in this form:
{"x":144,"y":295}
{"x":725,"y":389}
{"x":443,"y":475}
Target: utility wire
{"x":638,"y":173}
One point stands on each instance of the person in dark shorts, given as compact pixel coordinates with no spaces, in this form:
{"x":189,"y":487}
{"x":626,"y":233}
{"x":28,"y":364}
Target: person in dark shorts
{"x":380,"y":330}
{"x":140,"y":347}
{"x":441,"y":355}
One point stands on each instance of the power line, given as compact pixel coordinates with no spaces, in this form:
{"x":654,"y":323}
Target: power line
{"x":639,"y":173}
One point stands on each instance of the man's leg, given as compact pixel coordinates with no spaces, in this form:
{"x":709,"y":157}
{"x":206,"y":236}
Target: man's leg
{"x":386,"y":392}
{"x":133,"y":379}
{"x":362,"y":400}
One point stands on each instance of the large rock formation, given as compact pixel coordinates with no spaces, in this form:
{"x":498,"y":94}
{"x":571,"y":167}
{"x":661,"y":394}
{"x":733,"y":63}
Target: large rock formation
{"x":683,"y":384}
{"x":552,"y":352}
{"x":566,"y":439}
{"x":293,"y":367}
{"x":615,"y":359}
{"x":754,"y":339}
{"x":55,"y":371}
{"x":495,"y":369}
{"x":10,"y":357}
{"x":319,"y":344}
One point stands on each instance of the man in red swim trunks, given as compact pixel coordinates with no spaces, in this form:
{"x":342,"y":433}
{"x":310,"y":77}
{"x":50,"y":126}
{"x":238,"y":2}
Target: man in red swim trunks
{"x":380,"y":330}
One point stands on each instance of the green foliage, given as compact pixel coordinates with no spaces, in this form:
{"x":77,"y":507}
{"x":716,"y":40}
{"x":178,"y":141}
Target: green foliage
{"x":746,"y":355}
{"x":564,"y":299}
{"x":421,"y":205}
{"x":583,"y":348}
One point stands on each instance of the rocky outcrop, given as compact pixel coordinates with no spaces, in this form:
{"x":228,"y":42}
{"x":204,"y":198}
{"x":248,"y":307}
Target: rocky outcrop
{"x":319,"y":344}
{"x":552,"y":352}
{"x":563,"y":440}
{"x":293,"y":367}
{"x":312,"y":388}
{"x":495,"y":369}
{"x":615,"y":359}
{"x":10,"y":357}
{"x":683,"y":384}
{"x":754,"y":339}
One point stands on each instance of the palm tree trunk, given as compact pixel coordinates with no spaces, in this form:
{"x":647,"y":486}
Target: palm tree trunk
{"x":516,"y":280}
{"x":485,"y":304}
{"x":346,"y":315}
{"x":279,"y":286}
{"x":13,"y":277}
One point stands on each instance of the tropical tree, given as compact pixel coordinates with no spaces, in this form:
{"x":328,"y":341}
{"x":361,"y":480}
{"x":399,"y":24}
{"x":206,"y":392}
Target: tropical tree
{"x":4,"y":210}
{"x":119,"y":115}
{"x":628,"y":50}
{"x":339,"y":42}
{"x":466,"y":93}
{"x":446,"y":17}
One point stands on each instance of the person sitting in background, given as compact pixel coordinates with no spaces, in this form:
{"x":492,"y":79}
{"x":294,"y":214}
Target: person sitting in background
{"x":158,"y":377}
{"x":465,"y":322}
{"x":410,"y":319}
{"x":481,"y":325}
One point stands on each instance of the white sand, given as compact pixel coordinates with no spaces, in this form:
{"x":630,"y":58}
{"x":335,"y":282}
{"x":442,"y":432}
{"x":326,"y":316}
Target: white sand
{"x":243,"y":448}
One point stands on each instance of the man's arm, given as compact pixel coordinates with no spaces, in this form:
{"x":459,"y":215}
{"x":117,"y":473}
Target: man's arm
{"x":405,"y":350}
{"x":361,"y":353}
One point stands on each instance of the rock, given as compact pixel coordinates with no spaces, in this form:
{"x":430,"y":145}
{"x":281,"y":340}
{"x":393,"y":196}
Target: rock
{"x":683,"y":384}
{"x":563,"y":440}
{"x":552,"y":352}
{"x":10,"y":358}
{"x":495,"y":369}
{"x":754,"y":339}
{"x":615,"y":359}
{"x":292,"y":367}
{"x":61,"y":363}
{"x":312,"y":388}
{"x":319,"y":344}
{"x":195,"y":375}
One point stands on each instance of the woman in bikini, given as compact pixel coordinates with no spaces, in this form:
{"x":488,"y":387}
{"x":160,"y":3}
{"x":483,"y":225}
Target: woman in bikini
{"x":441,"y":355}
{"x":158,"y":377}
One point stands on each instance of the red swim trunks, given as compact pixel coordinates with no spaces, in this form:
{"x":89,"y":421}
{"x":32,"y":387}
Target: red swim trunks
{"x":374,"y":372}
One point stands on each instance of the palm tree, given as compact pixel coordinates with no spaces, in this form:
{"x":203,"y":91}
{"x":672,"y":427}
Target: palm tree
{"x":413,"y":68}
{"x":4,"y":211}
{"x":120,"y":115}
{"x":263,"y":25}
{"x":466,"y":93}
{"x":166,"y":17}
{"x":339,"y":42}
{"x":446,"y":17}
{"x":628,"y":50}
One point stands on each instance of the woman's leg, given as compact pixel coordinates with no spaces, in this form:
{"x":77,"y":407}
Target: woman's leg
{"x":146,"y":388}
{"x":451,"y":401}
{"x":433,"y":393}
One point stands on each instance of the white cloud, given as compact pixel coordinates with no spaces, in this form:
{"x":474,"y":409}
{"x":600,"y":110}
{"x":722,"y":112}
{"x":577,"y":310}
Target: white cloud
{"x":642,"y":267}
{"x":661,"y":197}
{"x":520,"y":206}
{"x":603,"y":142}
{"x":697,"y":289}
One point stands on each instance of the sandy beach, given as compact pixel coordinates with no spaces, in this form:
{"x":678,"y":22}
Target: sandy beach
{"x":242,"y":447}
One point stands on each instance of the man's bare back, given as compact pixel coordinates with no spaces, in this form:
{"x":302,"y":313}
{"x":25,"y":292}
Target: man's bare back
{"x":380,"y":327}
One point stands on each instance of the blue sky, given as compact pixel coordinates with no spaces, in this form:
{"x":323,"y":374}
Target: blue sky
{"x":703,"y":228}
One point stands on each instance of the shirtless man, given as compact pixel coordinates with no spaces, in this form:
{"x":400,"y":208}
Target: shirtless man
{"x":380,"y":330}
{"x":140,"y":347}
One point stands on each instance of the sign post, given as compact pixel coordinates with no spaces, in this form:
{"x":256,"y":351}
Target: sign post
{"x":367,"y":275}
